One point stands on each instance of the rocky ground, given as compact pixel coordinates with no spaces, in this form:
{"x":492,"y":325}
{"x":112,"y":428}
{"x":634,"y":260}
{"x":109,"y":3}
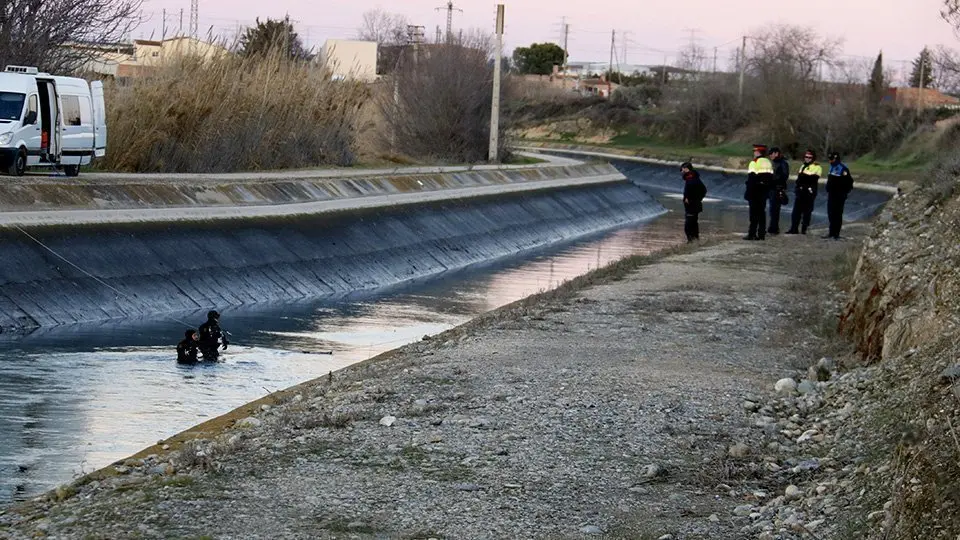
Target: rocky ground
{"x":672,"y":400}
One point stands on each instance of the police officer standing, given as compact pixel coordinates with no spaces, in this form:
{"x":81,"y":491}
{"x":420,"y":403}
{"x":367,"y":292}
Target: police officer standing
{"x":778,"y":191}
{"x":839,"y":185}
{"x":211,"y":335}
{"x":187,"y":349}
{"x":694,"y":192}
{"x":806,"y":193}
{"x":759,"y":179}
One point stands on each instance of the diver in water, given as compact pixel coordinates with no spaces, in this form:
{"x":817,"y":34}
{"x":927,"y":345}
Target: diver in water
{"x":211,"y":337}
{"x":188,"y":348}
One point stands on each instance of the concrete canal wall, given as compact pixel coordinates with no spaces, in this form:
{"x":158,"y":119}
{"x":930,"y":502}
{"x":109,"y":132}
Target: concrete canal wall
{"x":118,"y":248}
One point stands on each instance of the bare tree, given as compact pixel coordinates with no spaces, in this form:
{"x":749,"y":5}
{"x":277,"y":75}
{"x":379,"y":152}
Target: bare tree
{"x":439,"y":107}
{"x":692,"y":58}
{"x":794,"y":51}
{"x":951,"y":13}
{"x":383,"y":27}
{"x":946,"y":70}
{"x":785,"y":64}
{"x":60,"y":35}
{"x":389,"y":30}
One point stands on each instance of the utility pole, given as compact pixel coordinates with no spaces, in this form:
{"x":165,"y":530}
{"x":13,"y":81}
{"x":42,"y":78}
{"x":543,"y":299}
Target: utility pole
{"x":194,"y":17}
{"x":923,"y":66}
{"x":715,"y":50}
{"x":566,"y":56}
{"x":163,"y":26}
{"x":439,"y":34}
{"x":613,"y":47}
{"x":415,"y":35}
{"x":743,"y":69}
{"x":180,"y":30}
{"x":663,"y":72}
{"x":495,"y":105}
{"x":450,"y":9}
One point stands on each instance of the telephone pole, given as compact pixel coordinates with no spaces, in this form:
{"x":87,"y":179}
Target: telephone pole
{"x":194,"y":17}
{"x":743,"y":69}
{"x":450,"y":9}
{"x":923,"y":65}
{"x":180,"y":29}
{"x":495,"y":104}
{"x":613,"y":47}
{"x":415,"y":36}
{"x":566,"y":55}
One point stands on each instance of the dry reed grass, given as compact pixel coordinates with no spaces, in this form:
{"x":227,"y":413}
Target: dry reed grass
{"x":231,"y":114}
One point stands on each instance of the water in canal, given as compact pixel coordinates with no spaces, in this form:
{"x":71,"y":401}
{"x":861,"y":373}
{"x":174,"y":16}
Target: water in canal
{"x":75,"y":399}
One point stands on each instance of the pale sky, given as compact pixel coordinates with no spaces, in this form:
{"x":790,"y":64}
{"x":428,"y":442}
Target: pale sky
{"x":652,"y":28}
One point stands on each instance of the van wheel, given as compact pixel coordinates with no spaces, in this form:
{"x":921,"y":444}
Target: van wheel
{"x":71,"y":170}
{"x":19,"y":166}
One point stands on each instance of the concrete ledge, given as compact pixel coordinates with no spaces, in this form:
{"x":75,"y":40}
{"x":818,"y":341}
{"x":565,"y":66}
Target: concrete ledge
{"x":125,"y":198}
{"x":199,"y":213}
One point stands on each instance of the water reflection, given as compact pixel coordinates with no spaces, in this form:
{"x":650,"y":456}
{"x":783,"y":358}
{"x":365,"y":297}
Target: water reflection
{"x":77,"y":398}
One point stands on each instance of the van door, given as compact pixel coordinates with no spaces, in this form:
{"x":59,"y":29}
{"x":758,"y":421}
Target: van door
{"x":30,"y":132}
{"x":51,"y":121}
{"x":99,"y":119}
{"x":56,"y":140}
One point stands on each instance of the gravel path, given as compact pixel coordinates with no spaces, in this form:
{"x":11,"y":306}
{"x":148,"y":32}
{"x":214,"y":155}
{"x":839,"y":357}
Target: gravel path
{"x":611,"y":409}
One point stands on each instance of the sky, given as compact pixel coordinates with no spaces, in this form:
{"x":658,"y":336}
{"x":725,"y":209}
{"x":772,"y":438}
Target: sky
{"x":647,"y":30}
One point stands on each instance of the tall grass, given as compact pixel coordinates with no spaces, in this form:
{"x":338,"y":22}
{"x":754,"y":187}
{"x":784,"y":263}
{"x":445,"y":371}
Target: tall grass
{"x":232,"y":113}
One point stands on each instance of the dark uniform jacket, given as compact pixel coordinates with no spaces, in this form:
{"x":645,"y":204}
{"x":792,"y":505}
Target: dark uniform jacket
{"x":839,"y":181}
{"x":694,"y":192}
{"x":781,"y":173}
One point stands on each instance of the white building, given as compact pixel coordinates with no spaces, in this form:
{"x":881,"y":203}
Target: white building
{"x":138,"y":58}
{"x":350,"y":59}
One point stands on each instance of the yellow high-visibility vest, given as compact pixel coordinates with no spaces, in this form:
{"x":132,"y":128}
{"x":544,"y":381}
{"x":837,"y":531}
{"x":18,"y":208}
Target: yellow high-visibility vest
{"x":761,"y":165}
{"x":812,"y":169}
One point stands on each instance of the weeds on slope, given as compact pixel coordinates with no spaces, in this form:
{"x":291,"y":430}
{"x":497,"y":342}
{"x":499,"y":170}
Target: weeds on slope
{"x":231,"y":113}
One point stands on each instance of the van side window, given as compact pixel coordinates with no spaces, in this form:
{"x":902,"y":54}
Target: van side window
{"x":32,"y":110}
{"x":71,"y":110}
{"x":86,"y":111}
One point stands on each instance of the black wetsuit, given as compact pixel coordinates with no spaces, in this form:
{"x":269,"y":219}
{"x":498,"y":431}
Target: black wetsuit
{"x":187,"y":351}
{"x":211,"y":335}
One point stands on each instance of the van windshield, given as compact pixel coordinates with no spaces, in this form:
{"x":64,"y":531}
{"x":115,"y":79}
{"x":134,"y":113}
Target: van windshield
{"x":11,"y":106}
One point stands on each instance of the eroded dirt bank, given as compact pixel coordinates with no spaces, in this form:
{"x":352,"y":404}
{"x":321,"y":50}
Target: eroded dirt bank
{"x":662,"y":400}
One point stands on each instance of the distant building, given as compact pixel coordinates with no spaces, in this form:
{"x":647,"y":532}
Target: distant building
{"x":138,"y":58}
{"x":595,"y":69}
{"x":595,"y":86}
{"x":350,"y":59}
{"x":916,"y":98}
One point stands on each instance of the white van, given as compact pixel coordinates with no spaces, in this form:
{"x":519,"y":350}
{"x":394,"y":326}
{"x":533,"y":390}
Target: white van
{"x":48,"y":121}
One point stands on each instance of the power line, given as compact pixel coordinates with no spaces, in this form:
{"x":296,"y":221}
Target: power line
{"x":626,"y":42}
